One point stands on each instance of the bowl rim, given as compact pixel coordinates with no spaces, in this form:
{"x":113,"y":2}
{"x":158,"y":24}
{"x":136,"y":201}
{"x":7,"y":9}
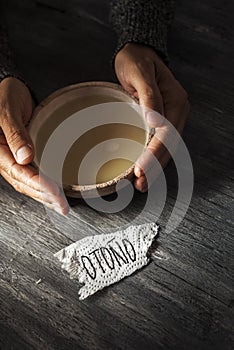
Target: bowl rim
{"x":128,"y":173}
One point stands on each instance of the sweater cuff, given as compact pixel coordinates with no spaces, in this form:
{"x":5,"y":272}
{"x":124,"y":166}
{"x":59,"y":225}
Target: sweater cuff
{"x":153,"y":37}
{"x":161,"y":50}
{"x":7,"y":65}
{"x":142,"y":22}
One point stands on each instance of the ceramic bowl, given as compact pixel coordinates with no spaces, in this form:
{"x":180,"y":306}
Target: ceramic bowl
{"x":80,"y":98}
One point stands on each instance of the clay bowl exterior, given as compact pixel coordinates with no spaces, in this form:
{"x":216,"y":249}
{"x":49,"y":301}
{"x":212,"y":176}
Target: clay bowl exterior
{"x":38,"y":118}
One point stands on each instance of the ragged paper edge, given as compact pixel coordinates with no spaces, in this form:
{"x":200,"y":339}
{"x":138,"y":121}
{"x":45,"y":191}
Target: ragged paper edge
{"x":70,"y":263}
{"x":154,"y":228}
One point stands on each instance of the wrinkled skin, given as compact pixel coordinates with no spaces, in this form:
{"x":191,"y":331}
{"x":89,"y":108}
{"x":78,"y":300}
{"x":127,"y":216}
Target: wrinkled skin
{"x":143,"y":74}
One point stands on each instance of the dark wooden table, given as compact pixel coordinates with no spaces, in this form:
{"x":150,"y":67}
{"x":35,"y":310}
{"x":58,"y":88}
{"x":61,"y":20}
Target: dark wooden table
{"x":184,"y":298}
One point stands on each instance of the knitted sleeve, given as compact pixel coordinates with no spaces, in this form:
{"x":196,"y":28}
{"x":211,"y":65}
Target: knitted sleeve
{"x":142,"y":21}
{"x":7,"y":66}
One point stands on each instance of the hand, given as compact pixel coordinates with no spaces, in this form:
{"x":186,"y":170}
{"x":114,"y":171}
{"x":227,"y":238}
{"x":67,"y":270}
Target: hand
{"x":16,"y":148}
{"x":144,"y":75}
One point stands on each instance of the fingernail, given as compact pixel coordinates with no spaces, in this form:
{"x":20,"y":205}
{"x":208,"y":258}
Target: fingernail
{"x":137,"y":171}
{"x":58,"y":209}
{"x":154,"y":119}
{"x":61,"y":206}
{"x":23,"y":153}
{"x":65,"y":210}
{"x":61,"y":211}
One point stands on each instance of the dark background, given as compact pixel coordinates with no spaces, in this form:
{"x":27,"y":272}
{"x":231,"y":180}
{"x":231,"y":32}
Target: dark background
{"x":184,"y":298}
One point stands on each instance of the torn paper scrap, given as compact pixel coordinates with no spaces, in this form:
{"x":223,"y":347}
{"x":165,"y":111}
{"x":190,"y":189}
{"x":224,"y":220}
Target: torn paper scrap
{"x":100,"y":260}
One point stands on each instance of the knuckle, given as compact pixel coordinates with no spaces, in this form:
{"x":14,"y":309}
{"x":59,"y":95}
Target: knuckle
{"x":149,"y":92}
{"x":15,"y":136}
{"x":145,"y":64}
{"x":10,"y":172}
{"x":142,"y":185}
{"x":132,"y":68}
{"x":29,"y":179}
{"x":5,"y":113}
{"x":13,"y":172}
{"x":17,"y":186}
{"x":141,"y":188}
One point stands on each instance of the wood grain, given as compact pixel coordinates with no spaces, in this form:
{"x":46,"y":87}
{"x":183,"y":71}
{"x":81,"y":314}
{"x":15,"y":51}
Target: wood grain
{"x":184,"y":298}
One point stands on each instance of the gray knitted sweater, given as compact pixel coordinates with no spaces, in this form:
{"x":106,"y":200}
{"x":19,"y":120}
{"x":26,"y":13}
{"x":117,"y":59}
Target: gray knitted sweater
{"x":140,"y":21}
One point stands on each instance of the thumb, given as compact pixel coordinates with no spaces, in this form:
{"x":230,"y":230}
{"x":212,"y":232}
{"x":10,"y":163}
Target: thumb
{"x":17,"y":139}
{"x":151,"y":100}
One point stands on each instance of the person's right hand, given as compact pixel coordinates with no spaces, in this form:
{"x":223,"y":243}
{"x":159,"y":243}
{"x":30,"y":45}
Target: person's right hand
{"x":16,"y":148}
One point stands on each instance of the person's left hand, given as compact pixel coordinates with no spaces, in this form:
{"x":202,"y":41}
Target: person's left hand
{"x":144,"y":75}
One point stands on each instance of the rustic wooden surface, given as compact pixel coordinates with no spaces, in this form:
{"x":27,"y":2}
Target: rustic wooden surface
{"x":184,"y":298}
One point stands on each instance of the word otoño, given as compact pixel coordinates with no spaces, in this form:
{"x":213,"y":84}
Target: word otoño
{"x":109,"y":257}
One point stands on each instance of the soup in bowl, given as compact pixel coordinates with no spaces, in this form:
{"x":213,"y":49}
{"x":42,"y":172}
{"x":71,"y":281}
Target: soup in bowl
{"x":88,"y":137}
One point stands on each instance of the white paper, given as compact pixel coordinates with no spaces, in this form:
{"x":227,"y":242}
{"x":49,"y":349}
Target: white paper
{"x":100,"y":260}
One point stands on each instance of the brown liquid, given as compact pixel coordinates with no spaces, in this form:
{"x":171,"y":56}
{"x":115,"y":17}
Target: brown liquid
{"x":93,"y":172}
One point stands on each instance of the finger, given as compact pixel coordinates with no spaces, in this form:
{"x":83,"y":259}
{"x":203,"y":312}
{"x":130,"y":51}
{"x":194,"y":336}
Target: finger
{"x":25,"y":174}
{"x":144,"y":182}
{"x":43,"y":198}
{"x":149,"y":175}
{"x":149,"y":94}
{"x":154,"y":120}
{"x":157,"y":146}
{"x":52,"y":201}
{"x":62,"y":208}
{"x":151,"y":100}
{"x":165,"y":138}
{"x":174,"y":96}
{"x":28,"y":181}
{"x":142,"y":84}
{"x":62,"y":211}
{"x":17,"y":137}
